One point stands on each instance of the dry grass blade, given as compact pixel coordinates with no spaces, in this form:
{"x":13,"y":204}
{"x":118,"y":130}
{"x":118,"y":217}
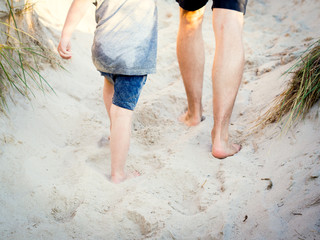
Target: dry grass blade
{"x":302,"y":92}
{"x":19,"y":59}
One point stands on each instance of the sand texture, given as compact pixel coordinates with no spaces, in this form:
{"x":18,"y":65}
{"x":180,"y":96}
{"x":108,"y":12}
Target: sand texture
{"x":55,"y":155}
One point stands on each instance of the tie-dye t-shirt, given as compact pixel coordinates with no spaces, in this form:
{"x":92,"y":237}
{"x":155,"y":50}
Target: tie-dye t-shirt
{"x":125,"y":39}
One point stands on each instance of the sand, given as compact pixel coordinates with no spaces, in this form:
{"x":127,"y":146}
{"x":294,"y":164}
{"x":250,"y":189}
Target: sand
{"x":55,"y":156}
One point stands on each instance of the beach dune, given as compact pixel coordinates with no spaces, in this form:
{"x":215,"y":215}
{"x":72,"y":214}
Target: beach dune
{"x":55,"y":157}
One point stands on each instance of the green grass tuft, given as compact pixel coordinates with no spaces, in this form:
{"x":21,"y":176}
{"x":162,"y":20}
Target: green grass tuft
{"x":302,"y":93}
{"x":20,"y":57}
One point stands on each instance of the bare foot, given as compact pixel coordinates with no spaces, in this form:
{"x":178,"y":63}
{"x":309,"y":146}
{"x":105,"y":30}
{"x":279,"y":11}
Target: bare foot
{"x":222,"y":150}
{"x":189,"y":120}
{"x":118,"y":178}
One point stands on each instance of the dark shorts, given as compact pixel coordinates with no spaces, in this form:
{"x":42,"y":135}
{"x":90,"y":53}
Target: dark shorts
{"x":127,"y":89}
{"x":193,"y":5}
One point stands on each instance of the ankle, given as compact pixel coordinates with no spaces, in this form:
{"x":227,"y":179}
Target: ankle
{"x":219,"y":136}
{"x":117,"y":177}
{"x":194,"y":118}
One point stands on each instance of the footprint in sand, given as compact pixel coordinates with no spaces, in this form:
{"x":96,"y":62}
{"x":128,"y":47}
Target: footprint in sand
{"x":221,"y":177}
{"x":148,"y":224}
{"x":188,"y":198}
{"x":64,"y":208}
{"x":99,"y":162}
{"x":145,"y":215}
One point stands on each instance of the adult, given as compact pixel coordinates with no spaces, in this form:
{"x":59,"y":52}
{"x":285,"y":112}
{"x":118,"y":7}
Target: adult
{"x":227,"y":19}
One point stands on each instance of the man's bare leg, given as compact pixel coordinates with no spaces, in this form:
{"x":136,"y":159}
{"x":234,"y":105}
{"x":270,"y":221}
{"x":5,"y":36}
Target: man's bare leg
{"x":190,"y":53}
{"x":119,"y":143}
{"x":226,"y":75}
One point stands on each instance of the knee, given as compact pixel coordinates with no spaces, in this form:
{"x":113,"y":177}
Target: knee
{"x":191,"y":20}
{"x":120,"y":112}
{"x":228,"y":24}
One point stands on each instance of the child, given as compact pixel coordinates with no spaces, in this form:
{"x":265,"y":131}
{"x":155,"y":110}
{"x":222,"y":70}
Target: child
{"x":124,"y":52}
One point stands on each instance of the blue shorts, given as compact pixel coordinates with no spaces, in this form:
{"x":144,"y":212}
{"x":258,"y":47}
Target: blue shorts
{"x":193,"y":5}
{"x":127,"y":89}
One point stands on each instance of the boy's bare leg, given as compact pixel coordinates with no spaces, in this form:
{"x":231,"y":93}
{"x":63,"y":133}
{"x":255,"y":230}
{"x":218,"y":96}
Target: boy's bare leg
{"x":108,"y":91}
{"x":190,"y":53}
{"x":226,"y":75}
{"x":119,"y":143}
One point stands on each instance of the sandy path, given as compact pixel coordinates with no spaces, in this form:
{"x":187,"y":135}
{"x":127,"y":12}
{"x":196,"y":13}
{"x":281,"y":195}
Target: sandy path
{"x":54,"y":165}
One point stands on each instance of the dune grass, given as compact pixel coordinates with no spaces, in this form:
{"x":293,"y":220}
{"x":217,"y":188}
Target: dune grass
{"x":20,"y":60}
{"x":302,"y":92}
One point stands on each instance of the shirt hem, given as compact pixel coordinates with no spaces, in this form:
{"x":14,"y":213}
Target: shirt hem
{"x":128,"y":71}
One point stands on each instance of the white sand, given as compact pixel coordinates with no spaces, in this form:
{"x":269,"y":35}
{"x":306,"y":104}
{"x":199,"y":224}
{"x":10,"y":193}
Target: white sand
{"x":55,"y":161}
